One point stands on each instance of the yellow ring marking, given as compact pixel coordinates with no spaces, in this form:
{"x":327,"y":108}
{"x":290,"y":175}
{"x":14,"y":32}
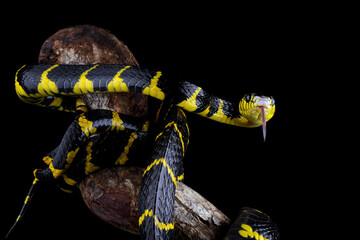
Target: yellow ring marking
{"x":84,"y":85}
{"x":19,"y":90}
{"x":68,"y":180}
{"x":123,"y":157}
{"x":190,"y":103}
{"x":56,"y":102}
{"x":248,"y":232}
{"x":176,"y":129}
{"x":86,"y":126}
{"x":153,"y":90}
{"x":158,"y":224}
{"x":47,"y":160}
{"x":181,"y":138}
{"x":89,"y":166}
{"x":66,"y":190}
{"x":181,"y":177}
{"x":46,"y":87}
{"x":117,"y":123}
{"x":69,"y":159}
{"x":117,"y":84}
{"x":157,"y":162}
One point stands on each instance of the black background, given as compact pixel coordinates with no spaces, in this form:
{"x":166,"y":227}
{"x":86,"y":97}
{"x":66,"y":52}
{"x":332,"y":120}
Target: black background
{"x":229,"y":50}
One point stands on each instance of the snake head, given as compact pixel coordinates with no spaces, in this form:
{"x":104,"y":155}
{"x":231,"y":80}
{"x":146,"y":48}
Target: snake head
{"x":257,"y":110}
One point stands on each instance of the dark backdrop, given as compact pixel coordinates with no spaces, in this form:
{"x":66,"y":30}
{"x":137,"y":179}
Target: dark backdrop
{"x":229,"y":50}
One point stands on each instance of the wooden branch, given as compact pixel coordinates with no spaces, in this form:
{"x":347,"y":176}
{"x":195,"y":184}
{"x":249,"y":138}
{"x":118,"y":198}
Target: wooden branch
{"x":91,"y":45}
{"x":112,"y":194}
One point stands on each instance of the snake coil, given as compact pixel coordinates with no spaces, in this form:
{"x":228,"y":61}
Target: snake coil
{"x":100,"y":138}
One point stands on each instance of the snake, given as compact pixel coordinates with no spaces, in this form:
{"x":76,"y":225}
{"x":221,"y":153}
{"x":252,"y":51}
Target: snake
{"x":100,"y":138}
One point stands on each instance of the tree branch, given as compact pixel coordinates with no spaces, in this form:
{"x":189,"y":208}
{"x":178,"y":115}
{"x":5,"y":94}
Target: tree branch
{"x":112,"y":194}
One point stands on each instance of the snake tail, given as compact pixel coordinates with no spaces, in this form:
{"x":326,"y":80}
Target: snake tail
{"x":25,"y":206}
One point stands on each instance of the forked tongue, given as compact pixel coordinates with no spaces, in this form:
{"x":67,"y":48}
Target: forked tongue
{"x":263,"y":122}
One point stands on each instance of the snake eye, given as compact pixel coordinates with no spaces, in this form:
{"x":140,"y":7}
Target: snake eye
{"x":272,"y":101}
{"x":248,"y":97}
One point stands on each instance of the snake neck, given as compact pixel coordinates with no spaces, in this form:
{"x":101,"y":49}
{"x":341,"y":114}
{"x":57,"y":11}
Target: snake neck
{"x":193,"y":98}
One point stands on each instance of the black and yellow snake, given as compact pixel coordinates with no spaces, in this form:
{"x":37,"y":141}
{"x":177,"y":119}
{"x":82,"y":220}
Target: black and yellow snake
{"x":101,"y":138}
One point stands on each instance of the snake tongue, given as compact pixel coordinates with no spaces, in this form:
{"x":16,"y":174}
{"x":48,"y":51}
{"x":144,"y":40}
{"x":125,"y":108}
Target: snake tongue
{"x":263,"y":122}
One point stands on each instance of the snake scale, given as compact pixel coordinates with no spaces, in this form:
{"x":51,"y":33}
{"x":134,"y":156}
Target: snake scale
{"x":100,"y":138}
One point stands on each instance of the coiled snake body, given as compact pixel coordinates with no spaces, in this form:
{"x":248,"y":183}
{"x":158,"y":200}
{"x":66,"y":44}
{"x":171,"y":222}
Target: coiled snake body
{"x":100,"y":138}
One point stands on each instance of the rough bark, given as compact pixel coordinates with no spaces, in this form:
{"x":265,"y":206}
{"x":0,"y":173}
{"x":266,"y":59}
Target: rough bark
{"x":112,"y":193}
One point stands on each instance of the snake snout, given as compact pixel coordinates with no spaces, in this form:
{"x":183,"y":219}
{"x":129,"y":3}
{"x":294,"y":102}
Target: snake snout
{"x":263,"y":101}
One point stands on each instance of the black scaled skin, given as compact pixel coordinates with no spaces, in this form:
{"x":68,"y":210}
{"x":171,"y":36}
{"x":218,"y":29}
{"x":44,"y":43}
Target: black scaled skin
{"x":164,"y":170}
{"x":101,"y":138}
{"x":252,"y":224}
{"x":87,"y":147}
